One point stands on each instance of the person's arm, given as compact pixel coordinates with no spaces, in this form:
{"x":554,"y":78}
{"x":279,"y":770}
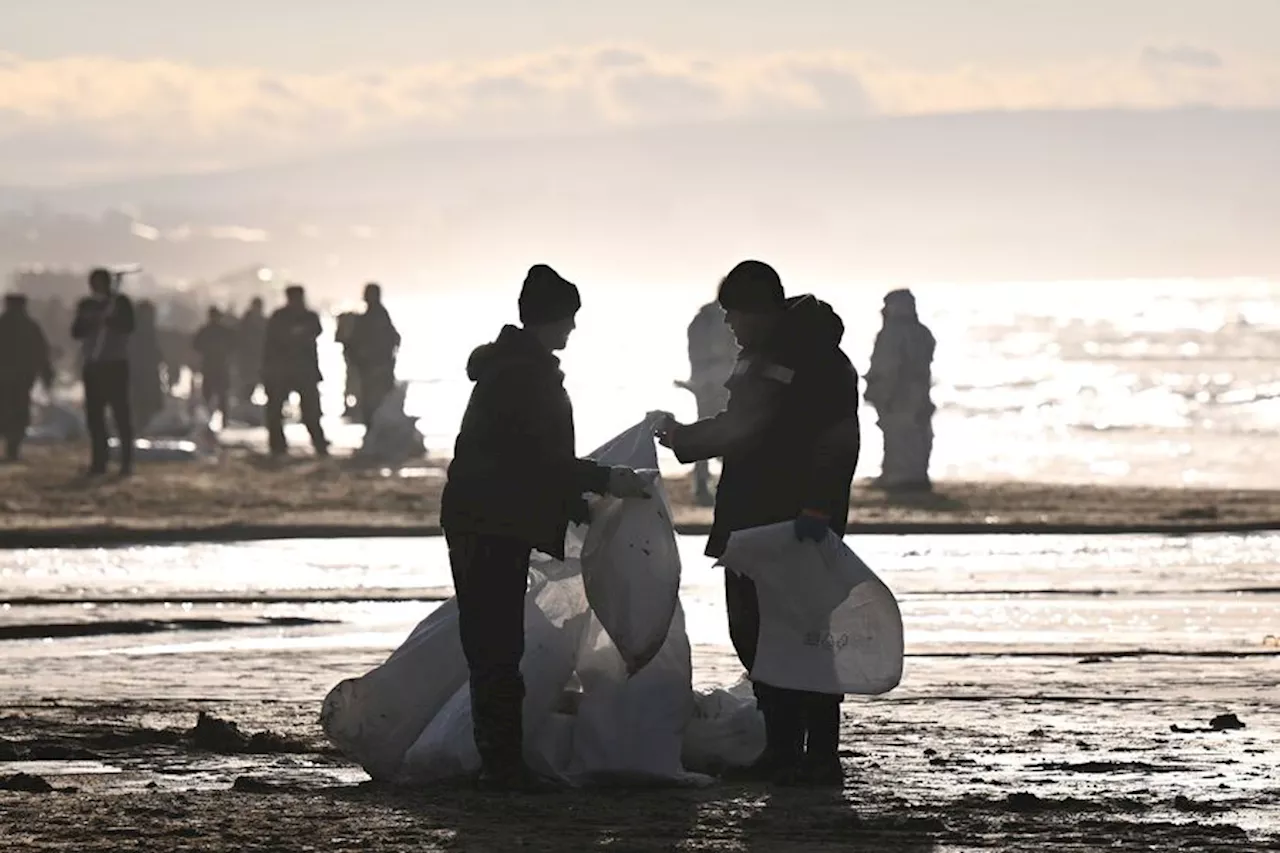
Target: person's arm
{"x":313,"y":325}
{"x":754,"y":402}
{"x":834,"y":456}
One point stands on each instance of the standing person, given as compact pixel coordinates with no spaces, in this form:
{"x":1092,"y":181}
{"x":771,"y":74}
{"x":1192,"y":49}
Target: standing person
{"x":899,"y":382}
{"x":374,"y":344}
{"x":215,"y":344}
{"x":789,"y":440}
{"x":146,"y":394}
{"x":290,"y":364}
{"x":514,"y":484}
{"x":24,"y":358}
{"x":103,"y":324}
{"x":713,"y":351}
{"x":251,"y":334}
{"x":346,"y":327}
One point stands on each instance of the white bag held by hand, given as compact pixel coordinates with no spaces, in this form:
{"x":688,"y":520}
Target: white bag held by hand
{"x":827,"y":623}
{"x":630,"y":560}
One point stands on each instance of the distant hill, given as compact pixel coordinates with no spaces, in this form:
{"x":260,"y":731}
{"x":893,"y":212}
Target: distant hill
{"x":989,"y":195}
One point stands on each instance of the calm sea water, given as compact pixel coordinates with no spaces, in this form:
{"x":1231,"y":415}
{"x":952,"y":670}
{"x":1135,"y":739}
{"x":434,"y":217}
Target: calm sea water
{"x":1153,"y":382}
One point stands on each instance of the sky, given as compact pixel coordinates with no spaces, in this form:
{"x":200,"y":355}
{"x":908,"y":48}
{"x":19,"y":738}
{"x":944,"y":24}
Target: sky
{"x":109,"y":89}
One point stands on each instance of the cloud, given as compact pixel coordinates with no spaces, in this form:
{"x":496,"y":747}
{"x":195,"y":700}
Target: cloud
{"x":75,"y":117}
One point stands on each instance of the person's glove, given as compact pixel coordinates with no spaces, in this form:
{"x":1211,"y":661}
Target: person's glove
{"x":626,"y":483}
{"x":663,"y":424}
{"x":812,"y":526}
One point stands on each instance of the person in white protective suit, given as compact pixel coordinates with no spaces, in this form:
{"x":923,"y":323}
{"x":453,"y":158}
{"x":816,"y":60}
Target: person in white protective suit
{"x":713,"y":351}
{"x":898,"y":385}
{"x":514,"y":485}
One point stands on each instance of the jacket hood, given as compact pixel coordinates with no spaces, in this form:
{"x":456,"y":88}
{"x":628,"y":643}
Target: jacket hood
{"x":813,"y":321}
{"x":513,"y":346}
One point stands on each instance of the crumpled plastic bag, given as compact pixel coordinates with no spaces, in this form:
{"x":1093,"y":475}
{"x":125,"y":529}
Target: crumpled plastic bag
{"x":827,"y":623}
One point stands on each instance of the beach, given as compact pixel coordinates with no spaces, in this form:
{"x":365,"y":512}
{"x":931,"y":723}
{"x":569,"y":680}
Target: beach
{"x":246,"y":495}
{"x":1083,"y":692}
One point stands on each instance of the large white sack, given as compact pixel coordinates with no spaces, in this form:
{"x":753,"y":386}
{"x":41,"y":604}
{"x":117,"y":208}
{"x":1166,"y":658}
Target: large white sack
{"x":375,"y":718}
{"x":630,"y":560}
{"x":726,"y":729}
{"x":555,"y":618}
{"x":827,"y":623}
{"x":630,"y":728}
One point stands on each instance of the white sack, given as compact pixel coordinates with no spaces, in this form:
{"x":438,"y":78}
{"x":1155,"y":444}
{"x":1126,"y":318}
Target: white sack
{"x":726,"y":729}
{"x":827,"y":623}
{"x":630,"y":561}
{"x":375,"y":718}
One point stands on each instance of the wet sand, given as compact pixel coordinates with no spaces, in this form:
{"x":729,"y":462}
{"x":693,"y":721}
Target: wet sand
{"x":1005,"y":754}
{"x":45,"y":503}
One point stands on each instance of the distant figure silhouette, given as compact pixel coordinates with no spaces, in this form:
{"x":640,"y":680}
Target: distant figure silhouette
{"x":24,"y":358}
{"x":290,"y":364}
{"x":215,"y":344}
{"x":713,"y":351}
{"x":898,"y":385}
{"x":103,"y":324}
{"x":374,"y":344}
{"x":351,"y":387}
{"x":145,"y":361}
{"x":251,"y":335}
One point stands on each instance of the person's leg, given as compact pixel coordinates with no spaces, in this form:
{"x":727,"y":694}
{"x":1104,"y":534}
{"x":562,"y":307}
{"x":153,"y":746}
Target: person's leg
{"x":276,"y":396}
{"x":310,"y":404}
{"x":379,"y":383}
{"x":822,"y":735}
{"x":95,"y":418}
{"x":117,"y":393}
{"x":490,"y":577}
{"x":15,"y":415}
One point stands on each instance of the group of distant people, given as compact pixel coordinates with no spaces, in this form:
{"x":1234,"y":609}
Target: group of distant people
{"x":122,"y":364}
{"x":898,"y":384}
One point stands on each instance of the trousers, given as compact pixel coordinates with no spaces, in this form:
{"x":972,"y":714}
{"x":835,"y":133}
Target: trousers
{"x":278,"y":394}
{"x":106,"y":386}
{"x":15,"y":412}
{"x":490,"y":578}
{"x":796,"y":721}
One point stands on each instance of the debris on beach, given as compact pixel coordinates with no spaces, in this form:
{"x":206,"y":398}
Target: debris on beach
{"x":223,"y":736}
{"x":25,"y":783}
{"x":1220,"y":723}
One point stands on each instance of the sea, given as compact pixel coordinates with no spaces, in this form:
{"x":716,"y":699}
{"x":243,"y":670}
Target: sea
{"x":1140,"y":382}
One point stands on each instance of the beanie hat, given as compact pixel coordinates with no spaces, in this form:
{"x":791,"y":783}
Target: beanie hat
{"x":752,"y":286}
{"x":546,"y":297}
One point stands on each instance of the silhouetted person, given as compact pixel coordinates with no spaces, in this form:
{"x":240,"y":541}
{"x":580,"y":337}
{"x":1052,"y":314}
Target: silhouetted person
{"x":145,"y":362}
{"x":514,"y":484}
{"x":374,"y":344}
{"x":789,"y":440}
{"x":215,"y":344}
{"x":103,"y":324}
{"x":251,"y":335}
{"x":290,"y":364}
{"x":24,"y":358}
{"x":346,"y":327}
{"x":898,"y":385}
{"x":713,"y":351}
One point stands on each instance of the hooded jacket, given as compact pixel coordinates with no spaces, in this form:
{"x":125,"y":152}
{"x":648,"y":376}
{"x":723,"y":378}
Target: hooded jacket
{"x":514,"y":471}
{"x":789,"y":435}
{"x":24,"y":350}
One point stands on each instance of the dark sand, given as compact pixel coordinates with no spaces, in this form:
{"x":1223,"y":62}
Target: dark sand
{"x":44,"y":502}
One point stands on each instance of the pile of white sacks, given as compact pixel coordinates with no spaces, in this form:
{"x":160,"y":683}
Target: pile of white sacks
{"x":607,"y":664}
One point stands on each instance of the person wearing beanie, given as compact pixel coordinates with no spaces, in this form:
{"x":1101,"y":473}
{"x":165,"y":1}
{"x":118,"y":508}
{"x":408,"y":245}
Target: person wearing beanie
{"x":789,"y":440}
{"x":513,"y":486}
{"x":291,"y":364}
{"x":899,"y":383}
{"x":24,"y":359}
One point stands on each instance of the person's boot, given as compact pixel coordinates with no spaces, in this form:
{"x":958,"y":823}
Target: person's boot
{"x":820,"y":767}
{"x":780,"y":749}
{"x":790,"y":726}
{"x":496,"y":718}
